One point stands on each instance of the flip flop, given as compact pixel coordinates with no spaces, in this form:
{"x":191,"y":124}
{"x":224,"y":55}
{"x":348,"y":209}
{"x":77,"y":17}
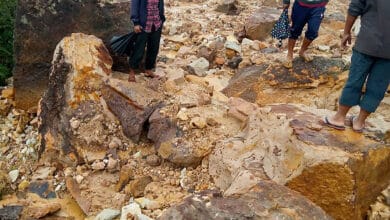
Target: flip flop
{"x":351,"y":119}
{"x":337,"y":127}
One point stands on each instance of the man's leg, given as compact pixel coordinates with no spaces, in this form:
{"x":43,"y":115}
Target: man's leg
{"x":137,"y":55}
{"x":360,"y":67}
{"x":377,"y":83}
{"x":313,"y":26}
{"x":153,"y":47}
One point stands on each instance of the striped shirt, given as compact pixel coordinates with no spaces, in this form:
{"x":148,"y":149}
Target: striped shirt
{"x":153,"y":17}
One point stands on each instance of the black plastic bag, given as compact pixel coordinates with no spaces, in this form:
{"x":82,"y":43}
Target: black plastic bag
{"x":123,"y":45}
{"x":281,"y":28}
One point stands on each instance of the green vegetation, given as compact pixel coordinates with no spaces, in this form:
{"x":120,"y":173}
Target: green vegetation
{"x":7,"y":16}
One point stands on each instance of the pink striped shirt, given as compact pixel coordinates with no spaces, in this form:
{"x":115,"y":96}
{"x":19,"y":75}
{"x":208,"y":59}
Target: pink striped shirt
{"x":153,"y":17}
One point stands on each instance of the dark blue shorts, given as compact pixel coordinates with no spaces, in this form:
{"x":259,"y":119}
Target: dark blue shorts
{"x":303,"y":15}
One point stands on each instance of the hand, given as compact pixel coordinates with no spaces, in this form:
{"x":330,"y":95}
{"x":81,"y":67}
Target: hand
{"x":286,"y":6}
{"x":346,"y":40}
{"x":137,"y":29}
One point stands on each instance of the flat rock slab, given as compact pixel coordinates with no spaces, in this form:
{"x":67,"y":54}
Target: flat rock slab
{"x":46,"y":23}
{"x":266,"y":84}
{"x":11,"y":212}
{"x":265,"y":200}
{"x":341,"y":171}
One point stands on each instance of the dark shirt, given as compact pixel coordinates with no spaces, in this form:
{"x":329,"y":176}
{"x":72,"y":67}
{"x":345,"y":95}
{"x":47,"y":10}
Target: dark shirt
{"x":374,"y":35}
{"x":139,"y":12}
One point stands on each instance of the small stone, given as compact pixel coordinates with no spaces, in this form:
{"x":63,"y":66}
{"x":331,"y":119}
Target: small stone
{"x":79,"y":179}
{"x":23,"y":185}
{"x":199,"y":66}
{"x":230,"y":53}
{"x":115,"y":143}
{"x":153,"y":160}
{"x":182,"y":115}
{"x":133,"y":211}
{"x":136,"y":187}
{"x":198,"y":122}
{"x":125,"y":175}
{"x":8,"y":93}
{"x":147,"y":203}
{"x":112,"y":164}
{"x":234,"y":62}
{"x":13,"y":175}
{"x":74,"y":123}
{"x":42,"y":210}
{"x":324,"y":48}
{"x":108,"y":214}
{"x":98,"y":165}
{"x":219,"y":61}
{"x":233,"y":46}
{"x":68,"y":171}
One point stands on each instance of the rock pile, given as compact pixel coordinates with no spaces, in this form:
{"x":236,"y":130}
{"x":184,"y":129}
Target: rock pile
{"x":213,"y":128}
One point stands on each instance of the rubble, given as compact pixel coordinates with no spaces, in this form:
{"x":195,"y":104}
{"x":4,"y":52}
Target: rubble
{"x":218,"y":124}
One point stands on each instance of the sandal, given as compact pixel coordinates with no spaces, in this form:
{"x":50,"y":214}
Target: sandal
{"x":350,"y":122}
{"x":329,"y":124}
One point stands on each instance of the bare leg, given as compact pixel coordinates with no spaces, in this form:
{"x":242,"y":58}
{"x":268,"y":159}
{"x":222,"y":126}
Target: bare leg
{"x":302,"y":53}
{"x":131,"y":76}
{"x":339,"y":117}
{"x":290,"y":53}
{"x":359,"y":121}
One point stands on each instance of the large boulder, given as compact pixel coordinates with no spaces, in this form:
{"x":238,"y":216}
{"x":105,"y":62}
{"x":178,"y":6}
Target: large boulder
{"x":317,"y":83}
{"x":259,"y":25}
{"x":85,"y":109}
{"x":265,"y":200}
{"x":41,"y":24}
{"x":340,"y":171}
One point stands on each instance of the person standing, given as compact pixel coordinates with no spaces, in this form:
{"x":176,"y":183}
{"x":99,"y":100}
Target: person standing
{"x":148,"y":18}
{"x":370,"y":63}
{"x":310,"y":12}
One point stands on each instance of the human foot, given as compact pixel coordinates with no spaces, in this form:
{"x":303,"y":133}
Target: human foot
{"x":306,"y":57}
{"x":149,"y":73}
{"x":332,"y":123}
{"x":131,"y":76}
{"x":356,"y":124}
{"x":288,"y":63}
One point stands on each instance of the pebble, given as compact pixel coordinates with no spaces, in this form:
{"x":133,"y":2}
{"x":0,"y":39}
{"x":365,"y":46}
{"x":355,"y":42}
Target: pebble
{"x":13,"y":175}
{"x":153,"y":160}
{"x":108,"y":214}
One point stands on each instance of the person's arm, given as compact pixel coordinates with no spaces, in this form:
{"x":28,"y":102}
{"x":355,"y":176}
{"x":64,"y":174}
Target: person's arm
{"x":135,"y":4}
{"x":356,"y":8}
{"x":286,"y":4}
{"x":347,"y":37}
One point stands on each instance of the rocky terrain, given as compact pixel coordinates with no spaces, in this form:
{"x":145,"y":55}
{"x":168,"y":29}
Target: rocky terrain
{"x":226,"y":132}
